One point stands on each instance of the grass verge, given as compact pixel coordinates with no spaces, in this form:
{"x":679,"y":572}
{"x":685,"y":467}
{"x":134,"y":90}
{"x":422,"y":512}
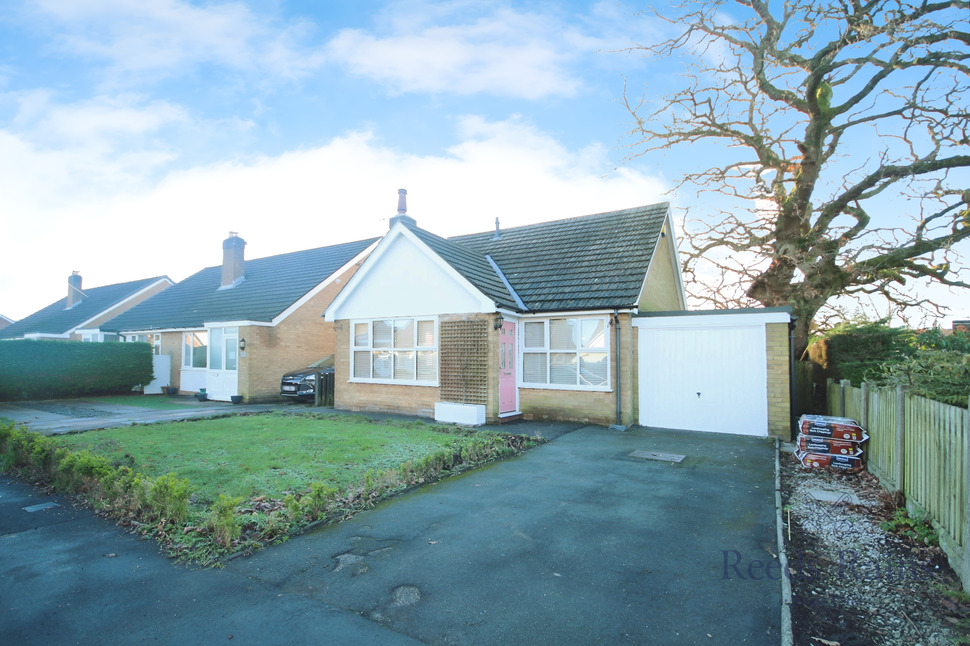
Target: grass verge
{"x":209,"y":488}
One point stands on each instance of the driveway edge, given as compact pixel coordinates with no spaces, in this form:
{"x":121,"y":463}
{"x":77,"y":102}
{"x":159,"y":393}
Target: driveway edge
{"x":787,"y":638}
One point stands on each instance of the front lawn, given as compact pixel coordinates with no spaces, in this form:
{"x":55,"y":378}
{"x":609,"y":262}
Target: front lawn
{"x":207,"y":488}
{"x":270,"y":454}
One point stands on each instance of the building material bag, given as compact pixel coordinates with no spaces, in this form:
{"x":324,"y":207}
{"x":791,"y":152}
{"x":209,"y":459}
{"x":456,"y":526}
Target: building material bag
{"x":835,"y":428}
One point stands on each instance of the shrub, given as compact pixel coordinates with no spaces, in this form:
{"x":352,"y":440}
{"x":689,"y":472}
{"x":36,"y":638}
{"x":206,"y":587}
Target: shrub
{"x":169,"y":497}
{"x":31,"y":369}
{"x":223,"y":522}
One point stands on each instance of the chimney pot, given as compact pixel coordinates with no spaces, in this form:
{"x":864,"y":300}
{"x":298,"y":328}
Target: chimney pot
{"x":402,"y":209}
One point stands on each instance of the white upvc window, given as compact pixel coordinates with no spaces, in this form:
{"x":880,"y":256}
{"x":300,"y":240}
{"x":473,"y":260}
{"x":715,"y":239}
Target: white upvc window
{"x":194,"y":347}
{"x":400,"y":350}
{"x":566,"y":352}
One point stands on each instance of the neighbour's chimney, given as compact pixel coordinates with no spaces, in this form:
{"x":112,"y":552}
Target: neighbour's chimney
{"x":74,"y":293}
{"x":402,"y":210}
{"x":233,"y":270}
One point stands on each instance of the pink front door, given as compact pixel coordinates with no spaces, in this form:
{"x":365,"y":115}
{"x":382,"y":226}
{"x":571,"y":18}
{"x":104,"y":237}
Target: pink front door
{"x":506,"y":369}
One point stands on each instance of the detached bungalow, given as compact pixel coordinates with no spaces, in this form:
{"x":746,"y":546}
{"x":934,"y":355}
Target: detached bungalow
{"x":532,"y":321}
{"x":80,"y":315}
{"x":235,"y":329}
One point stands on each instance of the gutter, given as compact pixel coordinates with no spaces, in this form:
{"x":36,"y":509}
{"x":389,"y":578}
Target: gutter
{"x":619,"y":390}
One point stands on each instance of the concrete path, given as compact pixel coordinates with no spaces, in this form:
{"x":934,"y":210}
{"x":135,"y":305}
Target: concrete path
{"x":70,"y":416}
{"x":575,"y":542}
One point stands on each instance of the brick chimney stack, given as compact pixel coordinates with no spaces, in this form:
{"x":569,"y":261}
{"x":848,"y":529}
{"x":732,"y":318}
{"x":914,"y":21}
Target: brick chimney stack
{"x":74,"y":293}
{"x":233,"y":269}
{"x":402,"y":210}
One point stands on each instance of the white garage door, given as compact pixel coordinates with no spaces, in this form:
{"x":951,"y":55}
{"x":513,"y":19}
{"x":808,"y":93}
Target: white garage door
{"x":704,"y":373}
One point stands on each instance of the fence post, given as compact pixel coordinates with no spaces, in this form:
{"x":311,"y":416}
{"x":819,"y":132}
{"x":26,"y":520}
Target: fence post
{"x":900,"y":466}
{"x":843,"y":384}
{"x":865,"y":406}
{"x":965,"y":561}
{"x":316,"y":389}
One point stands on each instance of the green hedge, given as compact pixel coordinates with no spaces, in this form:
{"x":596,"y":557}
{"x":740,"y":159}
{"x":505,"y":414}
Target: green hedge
{"x":61,"y":369}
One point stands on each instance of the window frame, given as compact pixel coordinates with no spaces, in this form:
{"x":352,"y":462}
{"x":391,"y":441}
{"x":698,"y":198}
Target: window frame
{"x":391,"y":348}
{"x":547,"y":351}
{"x":187,"y":358}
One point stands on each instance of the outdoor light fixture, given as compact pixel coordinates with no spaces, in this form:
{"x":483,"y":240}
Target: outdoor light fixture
{"x":499,"y":320}
{"x":242,"y":344}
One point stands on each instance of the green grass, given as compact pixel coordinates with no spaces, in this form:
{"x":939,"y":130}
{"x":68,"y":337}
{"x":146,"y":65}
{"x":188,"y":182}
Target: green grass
{"x":207,"y":488}
{"x":153,"y":402}
{"x":265,"y":454}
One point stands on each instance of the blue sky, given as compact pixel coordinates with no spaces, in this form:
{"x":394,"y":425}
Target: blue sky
{"x":134,"y":134}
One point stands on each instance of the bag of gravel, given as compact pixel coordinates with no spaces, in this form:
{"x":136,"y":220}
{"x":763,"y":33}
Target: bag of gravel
{"x":837,"y":428}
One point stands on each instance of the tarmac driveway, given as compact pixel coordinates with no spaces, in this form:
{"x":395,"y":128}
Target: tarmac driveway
{"x":574,"y":542}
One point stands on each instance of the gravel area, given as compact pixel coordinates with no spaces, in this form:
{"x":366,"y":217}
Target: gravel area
{"x":78,"y":412}
{"x":853,"y":582}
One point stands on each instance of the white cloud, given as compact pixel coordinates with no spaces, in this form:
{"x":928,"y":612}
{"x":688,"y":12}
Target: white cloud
{"x":174,"y":36}
{"x":344,"y":190}
{"x":504,"y":52}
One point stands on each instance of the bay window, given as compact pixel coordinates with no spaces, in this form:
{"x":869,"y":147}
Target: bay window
{"x":401,"y":350}
{"x":567,"y":352}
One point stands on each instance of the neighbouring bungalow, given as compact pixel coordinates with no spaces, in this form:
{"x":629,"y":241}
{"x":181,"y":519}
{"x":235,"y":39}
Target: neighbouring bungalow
{"x":533,"y":321}
{"x":235,"y":329}
{"x":4,"y":321}
{"x":80,"y":315}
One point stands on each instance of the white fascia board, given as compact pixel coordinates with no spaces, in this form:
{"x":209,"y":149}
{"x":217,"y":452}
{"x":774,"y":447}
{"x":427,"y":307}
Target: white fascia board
{"x":326,"y":283}
{"x":45,"y":335}
{"x":123,"y":301}
{"x":211,"y":324}
{"x":671,"y":239}
{"x":333,"y":312}
{"x":545,"y":315}
{"x":712,"y":318}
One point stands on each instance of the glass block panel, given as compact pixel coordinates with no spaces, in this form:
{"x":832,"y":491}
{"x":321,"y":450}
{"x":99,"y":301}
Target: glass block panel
{"x":404,"y":365}
{"x":362,"y":364}
{"x":593,"y":333}
{"x":593,"y":368}
{"x":535,"y":334}
{"x":404,"y":334}
{"x":562,"y":368}
{"x":361,"y":335}
{"x":562,"y":334}
{"x":534,"y":368}
{"x":427,"y":365}
{"x":425,"y":334}
{"x":383,"y":334}
{"x":383,"y":364}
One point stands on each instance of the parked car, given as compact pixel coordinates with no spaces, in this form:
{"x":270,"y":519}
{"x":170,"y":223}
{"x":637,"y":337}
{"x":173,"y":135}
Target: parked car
{"x":299,"y":383}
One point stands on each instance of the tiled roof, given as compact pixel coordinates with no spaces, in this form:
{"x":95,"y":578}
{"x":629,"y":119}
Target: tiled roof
{"x":56,"y":320}
{"x":271,"y":285}
{"x":590,"y":262}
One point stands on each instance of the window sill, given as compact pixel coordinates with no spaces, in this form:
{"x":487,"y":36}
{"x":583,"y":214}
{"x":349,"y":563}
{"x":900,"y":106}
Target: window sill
{"x":390,"y":382}
{"x":584,"y":389}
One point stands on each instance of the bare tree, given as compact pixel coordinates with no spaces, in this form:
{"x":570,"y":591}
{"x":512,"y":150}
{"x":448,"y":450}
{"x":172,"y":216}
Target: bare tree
{"x":838,"y":130}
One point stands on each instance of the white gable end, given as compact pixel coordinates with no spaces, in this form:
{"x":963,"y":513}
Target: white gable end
{"x":406,"y":279}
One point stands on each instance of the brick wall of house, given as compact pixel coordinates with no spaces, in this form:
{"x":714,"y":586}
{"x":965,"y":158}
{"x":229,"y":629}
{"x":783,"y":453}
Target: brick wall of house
{"x":779,"y":381}
{"x":384,"y":398}
{"x":591,"y":407}
{"x":299,"y":340}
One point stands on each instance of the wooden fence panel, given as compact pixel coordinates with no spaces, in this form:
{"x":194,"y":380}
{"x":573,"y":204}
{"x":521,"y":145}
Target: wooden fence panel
{"x":931,"y":458}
